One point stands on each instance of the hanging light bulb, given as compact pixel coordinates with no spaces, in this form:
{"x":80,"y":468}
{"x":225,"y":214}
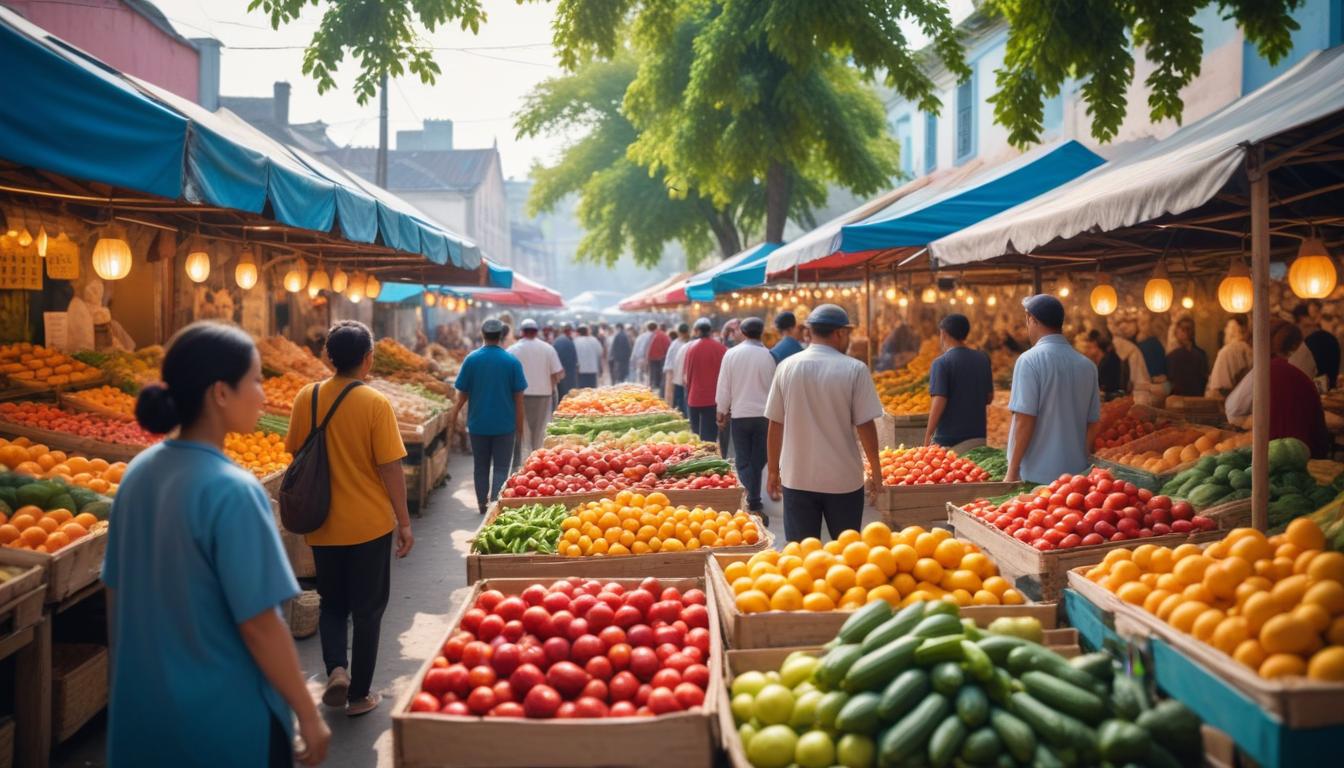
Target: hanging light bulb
{"x":372,"y":287}
{"x":735,"y":295}
{"x":245,"y":273}
{"x":1065,"y":288}
{"x":890,"y":294}
{"x":970,"y":300}
{"x":354,"y":298}
{"x":461,"y":305}
{"x":830,"y":293}
{"x":1103,"y":298}
{"x":355,"y":288}
{"x":319,"y":280}
{"x":42,"y":242}
{"x":198,"y":263}
{"x":960,"y":292}
{"x":930,"y":295}
{"x":723,"y":305}
{"x":952,"y":300}
{"x":816,"y":293}
{"x":1158,"y":291}
{"x":339,"y":281}
{"x":903,"y":302}
{"x":992,"y":300}
{"x":1235,"y":293}
{"x":296,"y":279}
{"x":25,"y":238}
{"x":1188,"y":302}
{"x":1312,"y":274}
{"x":847,"y":293}
{"x":112,"y":254}
{"x":430,"y":299}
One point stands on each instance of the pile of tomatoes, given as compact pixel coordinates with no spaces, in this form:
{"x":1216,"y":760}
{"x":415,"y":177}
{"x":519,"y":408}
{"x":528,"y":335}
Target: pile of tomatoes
{"x":576,"y":649}
{"x":1119,"y":424}
{"x":90,"y":425}
{"x":556,"y":472}
{"x":929,"y":464}
{"x":1084,"y":510}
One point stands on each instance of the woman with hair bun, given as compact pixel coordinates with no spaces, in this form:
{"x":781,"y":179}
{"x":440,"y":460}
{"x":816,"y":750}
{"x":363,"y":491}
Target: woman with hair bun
{"x":204,"y":669}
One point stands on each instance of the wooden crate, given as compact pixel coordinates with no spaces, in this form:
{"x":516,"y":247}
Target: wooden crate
{"x":906,"y":429}
{"x":1042,"y":576}
{"x":79,"y":680}
{"x":720,"y":499}
{"x":903,"y":505}
{"x":71,"y":568}
{"x":683,"y":564}
{"x":420,"y":740}
{"x":438,"y":465}
{"x":24,"y":582}
{"x":22,"y":611}
{"x":71,"y":401}
{"x":63,"y":441}
{"x":779,"y":629}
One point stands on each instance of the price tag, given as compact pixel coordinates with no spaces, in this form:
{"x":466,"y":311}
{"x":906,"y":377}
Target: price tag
{"x":63,"y":260}
{"x":57,"y":329}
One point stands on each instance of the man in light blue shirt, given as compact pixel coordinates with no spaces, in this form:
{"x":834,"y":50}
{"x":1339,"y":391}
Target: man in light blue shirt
{"x":1055,"y":400}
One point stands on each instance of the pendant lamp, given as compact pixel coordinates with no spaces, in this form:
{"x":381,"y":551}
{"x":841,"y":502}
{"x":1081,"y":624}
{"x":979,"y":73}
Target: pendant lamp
{"x":1103,"y":298}
{"x":296,"y":279}
{"x":1235,"y":293}
{"x":339,"y":281}
{"x":1158,"y":291}
{"x":245,"y":273}
{"x":1312,"y":274}
{"x":112,"y":254}
{"x":372,"y":287}
{"x":198,"y":262}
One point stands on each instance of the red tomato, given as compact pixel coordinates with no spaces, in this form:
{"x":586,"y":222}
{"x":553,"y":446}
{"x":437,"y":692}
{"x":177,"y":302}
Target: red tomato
{"x":507,"y":709}
{"x":662,"y":701}
{"x":525,"y":678}
{"x":489,"y":599}
{"x":619,"y":656}
{"x":541,"y":701}
{"x":457,"y":708}
{"x":481,"y":676}
{"x":666,"y":677}
{"x":471,"y":620}
{"x":424,"y":702}
{"x":506,"y":658}
{"x":477,"y":653}
{"x":622,"y":709}
{"x":696,"y":674}
{"x":481,"y":700}
{"x":567,"y":677}
{"x":695,"y":615}
{"x":623,"y":686}
{"x":534,"y":595}
{"x":585,"y":648}
{"x":590,"y":706}
{"x":490,"y":627}
{"x":599,"y":667}
{"x":643,"y":663}
{"x":557,"y":649}
{"x":1092,"y":539}
{"x":640,"y":636}
{"x":687,"y":695}
{"x":577,"y":628}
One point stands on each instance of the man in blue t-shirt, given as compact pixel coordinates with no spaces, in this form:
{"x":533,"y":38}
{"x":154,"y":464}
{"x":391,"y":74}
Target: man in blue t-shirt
{"x":491,"y":383}
{"x":960,"y":385}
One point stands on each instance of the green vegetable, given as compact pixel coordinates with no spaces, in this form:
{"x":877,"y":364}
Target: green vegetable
{"x":999,"y":646}
{"x":1121,"y":742}
{"x":903,"y":693}
{"x":897,"y":626}
{"x":972,"y":706}
{"x":873,"y":670}
{"x":977,"y":662}
{"x":698,"y":466}
{"x":530,"y":528}
{"x":835,"y":664}
{"x":1128,"y":699}
{"x":1064,"y":696}
{"x":863,"y":621}
{"x":1288,"y":453}
{"x":936,"y":649}
{"x":981,"y":747}
{"x":937,"y":625}
{"x":1046,"y":722}
{"x":945,"y":741}
{"x":1035,"y":657}
{"x":1016,"y":735}
{"x":947,"y":678}
{"x":909,"y":735}
{"x":859,"y":715}
{"x":1045,"y":757}
{"x":1175,"y":727}
{"x":1098,"y":665}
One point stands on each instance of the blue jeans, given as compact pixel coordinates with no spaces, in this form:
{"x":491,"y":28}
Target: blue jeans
{"x":703,"y":424}
{"x":804,"y":511}
{"x":490,"y":452}
{"x":749,"y":449}
{"x":679,"y":399}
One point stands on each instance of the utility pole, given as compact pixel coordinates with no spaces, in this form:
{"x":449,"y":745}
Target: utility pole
{"x":381,"y":173}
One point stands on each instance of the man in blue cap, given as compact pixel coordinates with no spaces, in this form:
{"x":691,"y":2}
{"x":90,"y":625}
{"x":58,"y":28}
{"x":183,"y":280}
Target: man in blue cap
{"x":1055,"y":401}
{"x":819,"y":399}
{"x":491,"y":384}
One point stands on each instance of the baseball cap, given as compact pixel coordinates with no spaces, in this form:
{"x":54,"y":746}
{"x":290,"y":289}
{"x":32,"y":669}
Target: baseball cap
{"x":830,"y":315}
{"x":703,"y":323}
{"x":1047,"y":310}
{"x":753,"y":325}
{"x":529,"y":325}
{"x":492,"y":326}
{"x":785,"y":320}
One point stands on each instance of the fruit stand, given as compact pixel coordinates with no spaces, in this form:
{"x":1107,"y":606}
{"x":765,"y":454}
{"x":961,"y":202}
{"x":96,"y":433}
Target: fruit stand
{"x":25,"y":636}
{"x":918,"y":483}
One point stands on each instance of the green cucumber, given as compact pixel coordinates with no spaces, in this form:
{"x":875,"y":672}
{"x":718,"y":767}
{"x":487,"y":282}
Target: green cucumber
{"x":836,"y":663}
{"x":859,"y":715}
{"x":946,"y":740}
{"x":1064,"y":696}
{"x":1098,"y":665}
{"x":828,"y":709}
{"x":972,"y":706}
{"x":1034,"y":657}
{"x":1000,"y":686}
{"x":981,"y":746}
{"x":999,"y":646}
{"x":863,"y":621}
{"x":937,"y":625}
{"x":911,"y":733}
{"x":1157,"y":756}
{"x":971,"y":630}
{"x":874,"y":670}
{"x":898,"y":626}
{"x":1044,"y":757}
{"x":1122,"y":742}
{"x":939,"y":649}
{"x":977,"y":662}
{"x":946,"y":607}
{"x":947,"y":677}
{"x":1175,"y":727}
{"x":902,"y":694}
{"x":1016,"y":735}
{"x":1046,"y":722}
{"x":1128,"y":698}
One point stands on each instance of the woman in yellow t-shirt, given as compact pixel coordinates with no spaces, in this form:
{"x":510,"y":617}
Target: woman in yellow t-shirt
{"x":352,"y":550}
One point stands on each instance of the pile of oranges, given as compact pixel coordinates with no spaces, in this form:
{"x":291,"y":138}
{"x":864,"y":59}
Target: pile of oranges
{"x":634,"y":524}
{"x":29,"y":458}
{"x":281,"y":390}
{"x":36,"y":365}
{"x":260,"y":453}
{"x":109,"y":399}
{"x":1275,"y":604}
{"x":622,"y":399}
{"x":902,"y":567}
{"x":31,"y":528}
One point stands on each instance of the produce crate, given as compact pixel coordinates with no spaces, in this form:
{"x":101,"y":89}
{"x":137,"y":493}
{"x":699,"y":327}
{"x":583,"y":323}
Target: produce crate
{"x":79,"y":679}
{"x":71,"y":568}
{"x":24,"y":582}
{"x":1153,"y":481}
{"x":71,"y":401}
{"x":63,"y":441}
{"x":903,"y":505}
{"x":776,"y":629}
{"x":21,"y":610}
{"x":1042,"y":576}
{"x":720,"y":499}
{"x":907,"y":429}
{"x":1200,"y":410}
{"x":420,"y":740}
{"x":685,"y":564}
{"x":438,"y":464}
{"x":271,"y":483}
{"x":423,"y":434}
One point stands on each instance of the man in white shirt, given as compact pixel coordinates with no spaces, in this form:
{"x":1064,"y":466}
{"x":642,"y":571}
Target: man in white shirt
{"x":639,"y":356}
{"x":542,"y":369}
{"x":1130,"y":354}
{"x":744,"y":386}
{"x":819,"y":399}
{"x":589,"y":350}
{"x":675,"y":386}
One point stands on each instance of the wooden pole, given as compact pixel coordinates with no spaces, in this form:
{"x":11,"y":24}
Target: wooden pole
{"x":1259,"y":182}
{"x":1036,"y":281}
{"x":868,"y":311}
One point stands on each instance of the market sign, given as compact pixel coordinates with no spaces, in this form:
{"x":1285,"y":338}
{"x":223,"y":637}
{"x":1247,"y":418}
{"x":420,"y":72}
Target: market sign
{"x":63,"y":260}
{"x":20,"y":268}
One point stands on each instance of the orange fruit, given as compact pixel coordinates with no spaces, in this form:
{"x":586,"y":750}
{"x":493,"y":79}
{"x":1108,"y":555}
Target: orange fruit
{"x":979,"y":564}
{"x":949,"y":552}
{"x":770,"y":583}
{"x":1012,"y":597}
{"x":1134,"y":592}
{"x":1250,"y":653}
{"x":884,"y":592}
{"x":1282,"y":665}
{"x":1327,"y":664}
{"x":1258,"y":609}
{"x":1317,"y":617}
{"x":8,"y":533}
{"x":841,"y":577}
{"x":56,"y":540}
{"x":926,"y":544}
{"x":928,"y":569}
{"x":1286,"y":634}
{"x":1327,"y":594}
{"x":1327,"y":566}
{"x":786,"y":598}
{"x":855,"y":554}
{"x":809,"y":545}
{"x":1229,"y":634}
{"x":23,"y":520}
{"x":1168,"y":606}
{"x":1183,"y":618}
{"x":1304,"y":533}
{"x":742,"y":584}
{"x":1335,"y":634}
{"x":1154,"y":599}
{"x":34,"y":536}
{"x":996,"y":585}
{"x":818,"y":601}
{"x":753,"y":601}
{"x":869,"y":577}
{"x":961,"y":579}
{"x":1289,"y":592}
{"x":906,"y":557}
{"x":847,"y":537}
{"x":904,"y":583}
{"x":1190,"y":570}
{"x":876,"y":534}
{"x":1206,"y":623}
{"x":853,"y":598}
{"x":817,"y":562}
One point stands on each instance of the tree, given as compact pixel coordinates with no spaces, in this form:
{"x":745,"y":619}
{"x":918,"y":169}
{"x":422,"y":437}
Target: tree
{"x":1050,"y":42}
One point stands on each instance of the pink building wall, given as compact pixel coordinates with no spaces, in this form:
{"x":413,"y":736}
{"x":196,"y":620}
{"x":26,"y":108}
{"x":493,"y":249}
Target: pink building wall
{"x":121,"y":36}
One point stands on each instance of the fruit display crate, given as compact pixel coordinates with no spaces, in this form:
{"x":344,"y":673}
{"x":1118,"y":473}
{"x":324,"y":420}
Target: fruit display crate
{"x":25,"y":635}
{"x":903,"y":429}
{"x":64,"y":441}
{"x":1042,"y":576}
{"x":676,"y":740}
{"x":69,"y":569}
{"x":1143,"y":478}
{"x":687,"y":563}
{"x":21,"y":610}
{"x":71,"y":401}
{"x":902,"y":505}
{"x":24,"y":582}
{"x":424,"y":434}
{"x":777,"y":629}
{"x":720,"y":499}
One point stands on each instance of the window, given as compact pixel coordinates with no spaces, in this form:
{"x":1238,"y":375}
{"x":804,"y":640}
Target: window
{"x":966,"y":119}
{"x":1053,"y":117}
{"x":930,"y":142}
{"x":907,"y":145}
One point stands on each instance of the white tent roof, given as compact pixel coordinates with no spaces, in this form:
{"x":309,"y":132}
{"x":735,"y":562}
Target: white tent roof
{"x":1171,"y":176}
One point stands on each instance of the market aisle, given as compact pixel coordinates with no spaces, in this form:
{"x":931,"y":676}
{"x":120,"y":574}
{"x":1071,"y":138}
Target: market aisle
{"x":425,"y":589}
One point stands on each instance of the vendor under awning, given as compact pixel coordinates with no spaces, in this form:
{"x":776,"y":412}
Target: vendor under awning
{"x":1295,"y":405}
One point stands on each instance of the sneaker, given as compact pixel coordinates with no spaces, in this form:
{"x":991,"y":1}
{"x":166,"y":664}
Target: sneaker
{"x":338,"y":685}
{"x":483,"y":508}
{"x":765,"y":519}
{"x":364,"y":705}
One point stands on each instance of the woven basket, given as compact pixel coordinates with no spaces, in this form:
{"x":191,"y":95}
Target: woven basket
{"x":79,"y":686}
{"x":303,"y":614}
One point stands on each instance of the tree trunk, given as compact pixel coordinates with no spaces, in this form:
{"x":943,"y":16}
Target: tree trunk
{"x":778,"y":187}
{"x":724,"y":229}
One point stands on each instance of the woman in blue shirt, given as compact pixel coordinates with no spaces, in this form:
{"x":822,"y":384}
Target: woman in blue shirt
{"x":204,"y":670}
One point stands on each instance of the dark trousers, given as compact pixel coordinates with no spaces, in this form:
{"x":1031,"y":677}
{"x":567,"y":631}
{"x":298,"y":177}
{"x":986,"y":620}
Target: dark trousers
{"x":353,"y":582}
{"x":620,"y":370}
{"x":804,"y":511}
{"x":703,"y":423}
{"x":588,"y":380}
{"x":491,"y":459}
{"x":679,"y":399}
{"x":656,"y":375}
{"x":749,"y":445}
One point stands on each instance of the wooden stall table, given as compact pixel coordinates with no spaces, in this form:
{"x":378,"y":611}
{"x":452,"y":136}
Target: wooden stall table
{"x":422,"y":442}
{"x":25,"y":635}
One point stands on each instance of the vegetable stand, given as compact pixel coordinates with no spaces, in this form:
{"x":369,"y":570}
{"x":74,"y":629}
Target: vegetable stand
{"x":25,"y":637}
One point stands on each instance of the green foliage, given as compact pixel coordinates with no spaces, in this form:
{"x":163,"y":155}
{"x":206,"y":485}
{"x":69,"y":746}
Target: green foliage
{"x":1089,"y":40}
{"x":381,"y":35}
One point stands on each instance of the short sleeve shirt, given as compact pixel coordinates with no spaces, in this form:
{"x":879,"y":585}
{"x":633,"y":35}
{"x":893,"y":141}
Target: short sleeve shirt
{"x":658,"y":346}
{"x":785,"y":348}
{"x":362,"y":435}
{"x":589,"y":351}
{"x":540,"y":363}
{"x":820,"y":396}
{"x":962,"y":375}
{"x":490,"y":377}
{"x":701,"y":362}
{"x":192,"y":552}
{"x":1055,"y":383}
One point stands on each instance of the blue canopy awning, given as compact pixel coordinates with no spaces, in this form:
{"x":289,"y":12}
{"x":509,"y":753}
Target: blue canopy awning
{"x":745,"y":269}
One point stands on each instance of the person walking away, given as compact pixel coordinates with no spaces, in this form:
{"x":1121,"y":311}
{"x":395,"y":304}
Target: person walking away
{"x":701,"y":362}
{"x":789,"y":331}
{"x":352,"y":551}
{"x":1233,"y":359}
{"x":619,"y":360}
{"x":1322,"y":344}
{"x":658,"y":346}
{"x":1187,"y":365}
{"x":542,"y":370}
{"x":1295,"y":408}
{"x":675,"y":372}
{"x":569,"y":358}
{"x":640,"y":353}
{"x":203,"y":666}
{"x":744,"y":384}
{"x":1055,"y":400}
{"x":589,"y":351}
{"x":491,"y":383}
{"x":819,"y":399}
{"x":960,"y":387}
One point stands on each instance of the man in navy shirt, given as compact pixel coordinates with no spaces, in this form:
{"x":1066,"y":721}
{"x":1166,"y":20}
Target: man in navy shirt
{"x":787,"y":325}
{"x":491,"y":383}
{"x":569,"y":359}
{"x":960,"y":385}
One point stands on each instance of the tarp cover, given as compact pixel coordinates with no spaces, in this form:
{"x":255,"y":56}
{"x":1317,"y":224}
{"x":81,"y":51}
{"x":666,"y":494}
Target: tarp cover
{"x":1177,"y":174}
{"x":649,"y":296}
{"x":745,"y":269}
{"x":523,"y":293}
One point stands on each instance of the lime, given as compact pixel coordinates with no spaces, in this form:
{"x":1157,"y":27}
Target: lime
{"x":748,"y":682}
{"x":797,"y":669}
{"x":774,"y":704}
{"x":742,"y":706}
{"x":855,"y":751}
{"x":830,"y":706}
{"x":805,"y":711}
{"x":814,"y":750}
{"x":773,"y":747}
